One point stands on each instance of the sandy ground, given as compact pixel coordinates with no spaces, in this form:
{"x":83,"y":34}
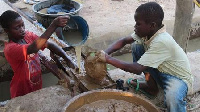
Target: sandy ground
{"x":109,"y":20}
{"x":112,"y":19}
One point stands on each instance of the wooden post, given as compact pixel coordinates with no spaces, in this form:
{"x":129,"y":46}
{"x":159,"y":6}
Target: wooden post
{"x":183,"y":20}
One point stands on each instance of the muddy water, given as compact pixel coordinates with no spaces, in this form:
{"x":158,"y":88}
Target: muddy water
{"x":125,"y":57}
{"x":78,"y":56}
{"x":4,"y":91}
{"x":61,"y":13}
{"x":44,"y":11}
{"x":193,"y":45}
{"x":47,"y":80}
{"x":72,"y":38}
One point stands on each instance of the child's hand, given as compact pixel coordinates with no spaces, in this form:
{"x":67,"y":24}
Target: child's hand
{"x":60,"y":21}
{"x":101,"y":56}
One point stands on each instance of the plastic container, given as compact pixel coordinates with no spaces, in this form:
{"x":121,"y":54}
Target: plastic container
{"x":78,"y":34}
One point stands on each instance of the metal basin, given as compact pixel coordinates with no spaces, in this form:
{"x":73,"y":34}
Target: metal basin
{"x":95,"y":95}
{"x":46,"y":19}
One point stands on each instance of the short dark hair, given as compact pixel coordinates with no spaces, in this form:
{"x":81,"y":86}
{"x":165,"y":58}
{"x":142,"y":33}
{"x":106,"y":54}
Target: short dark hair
{"x":152,"y":12}
{"x":8,"y":17}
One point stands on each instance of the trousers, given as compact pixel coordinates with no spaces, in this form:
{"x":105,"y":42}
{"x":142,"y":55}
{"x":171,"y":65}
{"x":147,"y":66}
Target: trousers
{"x":175,"y":89}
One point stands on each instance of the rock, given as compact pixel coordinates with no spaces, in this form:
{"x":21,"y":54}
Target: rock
{"x":51,"y":99}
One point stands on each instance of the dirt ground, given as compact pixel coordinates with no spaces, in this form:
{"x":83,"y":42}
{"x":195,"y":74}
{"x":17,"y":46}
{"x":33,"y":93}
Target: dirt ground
{"x":111,"y":19}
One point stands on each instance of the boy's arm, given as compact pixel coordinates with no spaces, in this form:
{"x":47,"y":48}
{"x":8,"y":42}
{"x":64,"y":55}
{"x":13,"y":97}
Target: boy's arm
{"x":129,"y":67}
{"x":60,"y":52}
{"x":119,"y":44}
{"x":40,"y":42}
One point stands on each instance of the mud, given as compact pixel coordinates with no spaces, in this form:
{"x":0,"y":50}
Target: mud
{"x":44,"y":11}
{"x":72,"y":37}
{"x":95,"y":69}
{"x":111,"y":105}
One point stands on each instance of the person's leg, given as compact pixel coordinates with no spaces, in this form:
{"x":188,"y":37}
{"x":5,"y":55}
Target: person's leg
{"x":148,"y":85}
{"x":175,"y":91}
{"x":137,"y":51}
{"x":151,"y":87}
